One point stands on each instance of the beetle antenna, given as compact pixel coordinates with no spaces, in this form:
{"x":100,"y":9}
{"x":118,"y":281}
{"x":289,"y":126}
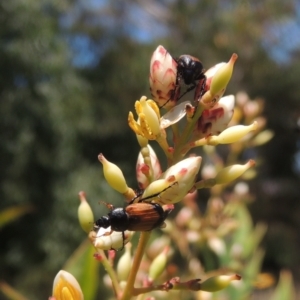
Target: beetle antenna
{"x":158,"y":194}
{"x":108,"y":205}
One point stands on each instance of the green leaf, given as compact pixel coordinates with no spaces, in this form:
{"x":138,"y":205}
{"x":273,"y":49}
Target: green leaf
{"x":10,"y":214}
{"x":84,"y":267}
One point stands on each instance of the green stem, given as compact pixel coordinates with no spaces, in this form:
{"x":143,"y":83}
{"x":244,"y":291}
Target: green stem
{"x":111,"y":272}
{"x":186,"y":135}
{"x":128,"y":292}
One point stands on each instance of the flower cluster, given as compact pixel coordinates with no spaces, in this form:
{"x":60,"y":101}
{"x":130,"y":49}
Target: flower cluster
{"x":185,"y":126}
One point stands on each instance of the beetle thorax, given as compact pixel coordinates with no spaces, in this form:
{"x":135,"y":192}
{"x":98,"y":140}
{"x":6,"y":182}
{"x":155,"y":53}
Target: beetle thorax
{"x":119,"y":219}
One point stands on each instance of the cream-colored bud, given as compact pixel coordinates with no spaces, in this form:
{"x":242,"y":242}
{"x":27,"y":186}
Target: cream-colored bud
{"x":222,"y":76}
{"x":143,"y":142}
{"x":231,"y":134}
{"x":106,"y":239}
{"x":124,"y":264}
{"x":157,"y":188}
{"x":263,"y":138}
{"x":113,"y":175}
{"x":85,"y":214}
{"x":183,"y":174}
{"x":217,"y":283}
{"x":65,"y":286}
{"x":158,"y":265}
{"x":231,"y":173}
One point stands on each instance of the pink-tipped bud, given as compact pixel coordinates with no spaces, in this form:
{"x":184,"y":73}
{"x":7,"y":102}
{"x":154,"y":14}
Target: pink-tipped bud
{"x":184,"y":174}
{"x":85,"y":214}
{"x":162,"y":78}
{"x":217,"y":283}
{"x":113,"y":175}
{"x":214,"y":120}
{"x":147,"y":167}
{"x":231,"y":173}
{"x":65,"y":286}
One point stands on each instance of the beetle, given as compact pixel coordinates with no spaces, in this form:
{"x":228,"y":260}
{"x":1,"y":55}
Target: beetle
{"x":190,"y":70}
{"x":141,"y":216}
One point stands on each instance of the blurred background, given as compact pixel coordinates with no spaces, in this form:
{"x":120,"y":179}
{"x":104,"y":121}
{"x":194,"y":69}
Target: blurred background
{"x":71,"y":71}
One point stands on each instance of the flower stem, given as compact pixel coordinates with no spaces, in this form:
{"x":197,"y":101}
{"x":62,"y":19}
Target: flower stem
{"x":110,"y":270}
{"x":128,"y":292}
{"x":186,"y":135}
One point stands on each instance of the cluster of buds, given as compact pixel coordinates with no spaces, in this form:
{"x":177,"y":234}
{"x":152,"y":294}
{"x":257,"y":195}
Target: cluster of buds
{"x":205,"y":123}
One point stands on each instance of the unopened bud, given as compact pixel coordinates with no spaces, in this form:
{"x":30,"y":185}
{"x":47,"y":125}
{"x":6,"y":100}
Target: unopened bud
{"x":124,"y":264}
{"x":147,"y":167}
{"x":217,"y":283}
{"x":263,"y":138}
{"x":113,"y":175}
{"x":231,"y":134}
{"x":85,"y":214}
{"x":106,"y":239}
{"x":231,"y":173}
{"x":158,"y":265}
{"x":222,"y":76}
{"x":143,"y":142}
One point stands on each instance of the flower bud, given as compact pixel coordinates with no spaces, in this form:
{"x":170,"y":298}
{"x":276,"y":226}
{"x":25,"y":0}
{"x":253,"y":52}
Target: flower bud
{"x":263,"y":138}
{"x":217,"y":283}
{"x":231,"y":134}
{"x":147,"y":167}
{"x":85,"y":214}
{"x":184,"y":174}
{"x":215,"y":120}
{"x":222,"y":76}
{"x":106,"y":239}
{"x":158,"y":265}
{"x":143,"y":142}
{"x":113,"y":175}
{"x":162,"y":79}
{"x":157,"y":189}
{"x":231,"y":173}
{"x":66,"y":287}
{"x":124,"y":264}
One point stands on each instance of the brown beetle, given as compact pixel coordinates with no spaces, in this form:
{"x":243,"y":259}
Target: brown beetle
{"x":140,"y":216}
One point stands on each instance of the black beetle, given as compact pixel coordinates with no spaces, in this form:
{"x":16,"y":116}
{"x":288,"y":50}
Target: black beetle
{"x":190,"y":69}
